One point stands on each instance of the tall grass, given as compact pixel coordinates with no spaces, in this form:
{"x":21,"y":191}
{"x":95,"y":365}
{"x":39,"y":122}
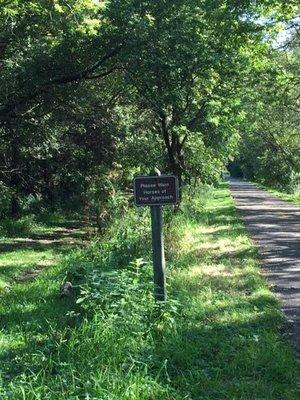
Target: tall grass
{"x":217,"y":337}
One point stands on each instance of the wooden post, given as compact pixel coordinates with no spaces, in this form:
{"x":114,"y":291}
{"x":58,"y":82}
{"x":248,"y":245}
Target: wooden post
{"x":159,"y":267}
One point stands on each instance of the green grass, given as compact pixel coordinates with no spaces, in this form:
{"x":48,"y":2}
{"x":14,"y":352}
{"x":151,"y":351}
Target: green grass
{"x":292,"y":197}
{"x":33,"y":225}
{"x":219,"y":336}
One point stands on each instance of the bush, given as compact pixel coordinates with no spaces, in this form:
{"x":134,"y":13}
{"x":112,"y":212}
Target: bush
{"x":104,"y":201}
{"x":119,"y":320}
{"x":294,"y":186}
{"x":20,"y":227}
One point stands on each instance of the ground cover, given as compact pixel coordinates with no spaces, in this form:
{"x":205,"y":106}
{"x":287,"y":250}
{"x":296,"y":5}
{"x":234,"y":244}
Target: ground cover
{"x":292,"y":197}
{"x":219,"y":336}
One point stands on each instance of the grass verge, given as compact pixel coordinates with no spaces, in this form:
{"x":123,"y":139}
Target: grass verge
{"x":219,"y":336}
{"x":292,"y":197}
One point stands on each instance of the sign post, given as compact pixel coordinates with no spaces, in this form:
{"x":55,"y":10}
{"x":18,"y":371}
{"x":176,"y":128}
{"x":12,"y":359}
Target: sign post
{"x":155,"y":191}
{"x":159,"y":265}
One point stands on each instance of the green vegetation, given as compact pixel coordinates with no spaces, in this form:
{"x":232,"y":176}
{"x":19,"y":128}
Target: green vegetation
{"x":93,"y":93}
{"x":219,"y":336}
{"x":293,"y":197}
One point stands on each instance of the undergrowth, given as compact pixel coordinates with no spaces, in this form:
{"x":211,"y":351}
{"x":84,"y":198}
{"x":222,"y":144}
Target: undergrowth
{"x":218,"y":336}
{"x":291,"y":194}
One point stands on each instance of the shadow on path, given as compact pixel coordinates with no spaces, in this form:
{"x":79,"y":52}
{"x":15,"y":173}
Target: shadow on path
{"x":58,"y":239}
{"x":274,"y":226}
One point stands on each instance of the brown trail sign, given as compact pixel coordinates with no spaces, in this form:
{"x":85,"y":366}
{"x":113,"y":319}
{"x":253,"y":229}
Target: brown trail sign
{"x":155,"y":191}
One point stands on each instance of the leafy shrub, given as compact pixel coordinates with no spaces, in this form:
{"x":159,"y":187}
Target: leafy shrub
{"x":120,"y":321}
{"x":32,"y":204}
{"x":114,"y":273}
{"x":104,"y":200}
{"x":294,"y":186}
{"x":117,"y":291}
{"x":20,"y":227}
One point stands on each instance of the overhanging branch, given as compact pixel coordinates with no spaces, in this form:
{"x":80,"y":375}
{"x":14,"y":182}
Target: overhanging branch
{"x":86,"y":74}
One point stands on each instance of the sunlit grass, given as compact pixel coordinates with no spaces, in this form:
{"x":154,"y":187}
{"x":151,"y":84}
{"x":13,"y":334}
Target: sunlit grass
{"x":229,"y":311}
{"x":292,"y":197}
{"x":13,"y":263}
{"x":218,"y":337}
{"x":20,"y":257}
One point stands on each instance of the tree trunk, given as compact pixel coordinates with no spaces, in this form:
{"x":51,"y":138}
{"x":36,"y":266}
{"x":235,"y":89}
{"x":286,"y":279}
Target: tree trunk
{"x":174,"y":151}
{"x":15,"y":177}
{"x":49,"y":187}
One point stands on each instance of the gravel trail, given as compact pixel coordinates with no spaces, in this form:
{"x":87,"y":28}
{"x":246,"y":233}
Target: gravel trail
{"x":274,"y":226}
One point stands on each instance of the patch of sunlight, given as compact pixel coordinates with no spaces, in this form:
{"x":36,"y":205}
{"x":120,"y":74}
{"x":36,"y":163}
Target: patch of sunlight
{"x":11,"y":262}
{"x":220,"y":204}
{"x":238,"y":317}
{"x":231,"y":244}
{"x":4,"y":286}
{"x":10,"y":341}
{"x":219,"y":247}
{"x":21,"y":308}
{"x":194,"y":271}
{"x":217,"y":270}
{"x":43,"y":263}
{"x":264,"y":293}
{"x":209,"y":229}
{"x":188,"y":241}
{"x":212,"y":270}
{"x":29,"y":307}
{"x":22,"y":257}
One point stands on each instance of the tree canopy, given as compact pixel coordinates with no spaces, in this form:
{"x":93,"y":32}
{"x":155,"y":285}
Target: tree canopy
{"x":93,"y":88}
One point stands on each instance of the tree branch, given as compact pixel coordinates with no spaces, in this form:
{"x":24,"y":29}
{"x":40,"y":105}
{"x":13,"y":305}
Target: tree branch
{"x":82,"y":75}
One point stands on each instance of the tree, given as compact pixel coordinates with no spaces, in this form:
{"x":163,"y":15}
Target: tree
{"x":270,"y":142}
{"x":47,"y":49}
{"x":184,"y":60}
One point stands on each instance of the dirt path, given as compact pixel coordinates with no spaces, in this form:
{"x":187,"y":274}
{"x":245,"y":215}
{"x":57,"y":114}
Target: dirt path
{"x":22,"y":259}
{"x":59,"y":237}
{"x":274,"y":225}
